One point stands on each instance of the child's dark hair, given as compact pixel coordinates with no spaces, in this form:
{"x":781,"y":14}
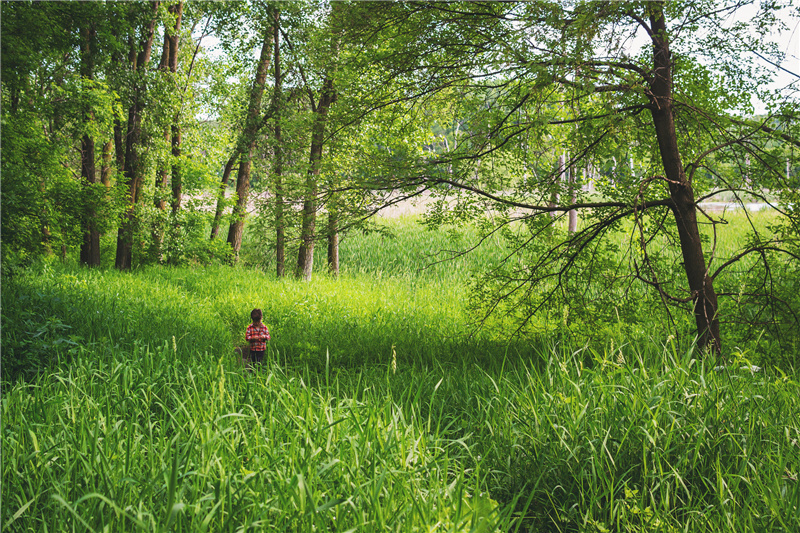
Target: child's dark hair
{"x":256,"y":315}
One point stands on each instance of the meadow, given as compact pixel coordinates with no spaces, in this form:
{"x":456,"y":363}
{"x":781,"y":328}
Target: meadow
{"x":379,"y":407}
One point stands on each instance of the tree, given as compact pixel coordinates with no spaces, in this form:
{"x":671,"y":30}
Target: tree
{"x":90,"y":249}
{"x":527,"y":71}
{"x":130,"y":154}
{"x":54,"y":106}
{"x":278,"y":150}
{"x":169,"y":173}
{"x":253,"y":123}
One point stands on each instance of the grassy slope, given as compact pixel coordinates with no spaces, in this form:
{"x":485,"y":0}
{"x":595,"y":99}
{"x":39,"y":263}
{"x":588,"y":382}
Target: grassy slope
{"x":133,"y":431}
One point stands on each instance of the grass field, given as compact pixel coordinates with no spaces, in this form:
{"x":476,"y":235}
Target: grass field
{"x":379,"y":408}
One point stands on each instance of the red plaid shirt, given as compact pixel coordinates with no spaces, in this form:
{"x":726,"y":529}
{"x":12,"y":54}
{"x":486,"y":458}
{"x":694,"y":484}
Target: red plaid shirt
{"x":257,"y":336}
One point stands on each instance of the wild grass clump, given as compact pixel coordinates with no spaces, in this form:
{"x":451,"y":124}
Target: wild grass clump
{"x":641,"y":441}
{"x":51,"y":310}
{"x":648,"y":442}
{"x":145,"y":441}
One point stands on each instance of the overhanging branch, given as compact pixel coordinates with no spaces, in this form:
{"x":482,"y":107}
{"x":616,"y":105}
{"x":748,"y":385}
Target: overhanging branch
{"x":545,"y":208}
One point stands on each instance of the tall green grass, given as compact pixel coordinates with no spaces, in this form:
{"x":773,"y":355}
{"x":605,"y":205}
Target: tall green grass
{"x":656,"y":441}
{"x":143,"y":441}
{"x":354,"y":320}
{"x":379,"y":408}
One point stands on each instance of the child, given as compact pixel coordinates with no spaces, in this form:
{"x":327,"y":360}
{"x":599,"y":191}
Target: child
{"x":257,"y":335}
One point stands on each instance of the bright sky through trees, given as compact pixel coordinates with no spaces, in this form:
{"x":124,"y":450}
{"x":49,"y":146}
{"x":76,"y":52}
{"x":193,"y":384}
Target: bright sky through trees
{"x":787,"y":73}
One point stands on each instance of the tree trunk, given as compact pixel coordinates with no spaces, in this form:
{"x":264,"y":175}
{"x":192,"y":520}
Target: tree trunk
{"x":280,"y":227}
{"x":305,"y":255}
{"x":681,"y":192}
{"x":134,"y":164}
{"x":119,"y":146}
{"x":169,"y":67}
{"x":223,"y":186}
{"x":90,"y":248}
{"x":105,"y":167}
{"x":247,"y":144}
{"x":175,"y":129}
{"x":280,"y":217}
{"x":236,"y":229}
{"x":333,"y":241}
{"x":160,"y":202}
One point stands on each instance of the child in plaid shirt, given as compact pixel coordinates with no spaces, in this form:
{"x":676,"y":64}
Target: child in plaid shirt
{"x":257,"y":335}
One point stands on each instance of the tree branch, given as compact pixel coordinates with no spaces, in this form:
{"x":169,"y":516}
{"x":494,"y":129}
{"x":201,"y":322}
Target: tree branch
{"x":759,"y":249}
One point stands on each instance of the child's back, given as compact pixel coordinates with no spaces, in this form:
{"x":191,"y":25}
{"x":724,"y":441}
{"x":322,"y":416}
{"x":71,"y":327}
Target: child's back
{"x":257,"y":335}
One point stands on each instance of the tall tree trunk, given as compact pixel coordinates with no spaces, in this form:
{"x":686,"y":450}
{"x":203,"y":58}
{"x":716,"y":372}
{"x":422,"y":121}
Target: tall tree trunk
{"x":223,"y":186}
{"x":305,"y":255}
{"x":169,"y":66}
{"x":134,"y":164}
{"x":90,"y":248}
{"x":333,"y":240}
{"x":680,"y":189}
{"x":277,"y":171}
{"x":174,"y":45}
{"x":247,"y":144}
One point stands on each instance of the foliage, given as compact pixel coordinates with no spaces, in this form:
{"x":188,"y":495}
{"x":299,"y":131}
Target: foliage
{"x":497,"y":370}
{"x":444,"y":101}
{"x":593,"y":120}
{"x":26,"y":211}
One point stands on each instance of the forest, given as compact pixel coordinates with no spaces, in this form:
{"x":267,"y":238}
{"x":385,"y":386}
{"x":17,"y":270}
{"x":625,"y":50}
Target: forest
{"x":526,"y":265}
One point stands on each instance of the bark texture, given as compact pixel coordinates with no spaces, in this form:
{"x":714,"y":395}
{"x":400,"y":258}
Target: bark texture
{"x":247,"y":144}
{"x":223,"y":186}
{"x":277,"y":171}
{"x":680,"y":189}
{"x":138,"y":58}
{"x":333,"y":241}
{"x":305,"y":255}
{"x":90,"y":248}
